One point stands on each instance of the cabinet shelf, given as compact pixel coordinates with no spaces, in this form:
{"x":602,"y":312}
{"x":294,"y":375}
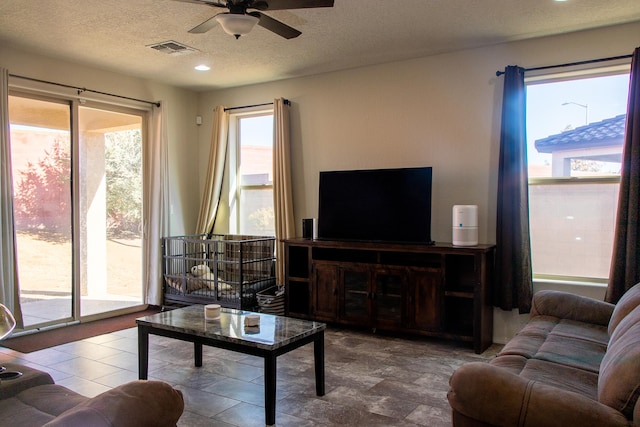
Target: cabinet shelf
{"x":432,"y":290}
{"x":459,"y":294}
{"x":298,"y":262}
{"x":349,"y":292}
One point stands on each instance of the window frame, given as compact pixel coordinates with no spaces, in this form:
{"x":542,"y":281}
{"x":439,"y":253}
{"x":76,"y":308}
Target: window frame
{"x":546,"y":77}
{"x":235,"y":182}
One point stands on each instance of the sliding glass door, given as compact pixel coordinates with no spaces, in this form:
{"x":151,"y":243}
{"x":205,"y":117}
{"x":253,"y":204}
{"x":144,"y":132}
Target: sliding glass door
{"x":78,"y":206}
{"x":109,"y":210}
{"x":41,"y":163}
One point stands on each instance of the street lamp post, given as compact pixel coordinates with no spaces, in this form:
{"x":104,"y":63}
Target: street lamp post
{"x":586,"y":110}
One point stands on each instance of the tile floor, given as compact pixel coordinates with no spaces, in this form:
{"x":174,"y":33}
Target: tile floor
{"x":371,"y":379}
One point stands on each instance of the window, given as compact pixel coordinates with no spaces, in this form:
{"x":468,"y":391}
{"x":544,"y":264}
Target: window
{"x":252,"y":210}
{"x":575,"y":129}
{"x":78,"y":207}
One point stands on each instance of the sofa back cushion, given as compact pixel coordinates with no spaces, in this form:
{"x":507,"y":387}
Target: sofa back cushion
{"x":134,"y":404}
{"x":619,"y":379}
{"x":629,"y":301}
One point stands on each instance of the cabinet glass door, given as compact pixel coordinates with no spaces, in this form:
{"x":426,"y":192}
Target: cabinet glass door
{"x":388,"y":297}
{"x":355,"y":295}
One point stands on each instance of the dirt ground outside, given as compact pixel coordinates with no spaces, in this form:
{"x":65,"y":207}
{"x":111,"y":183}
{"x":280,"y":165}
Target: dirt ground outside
{"x":45,"y":267}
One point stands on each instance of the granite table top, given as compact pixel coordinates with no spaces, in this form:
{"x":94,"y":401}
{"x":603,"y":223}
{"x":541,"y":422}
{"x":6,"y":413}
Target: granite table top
{"x":274,"y":331}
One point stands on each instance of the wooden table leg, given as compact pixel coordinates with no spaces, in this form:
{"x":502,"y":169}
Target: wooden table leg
{"x":318,"y":359}
{"x":270,"y":389}
{"x":143,"y":352}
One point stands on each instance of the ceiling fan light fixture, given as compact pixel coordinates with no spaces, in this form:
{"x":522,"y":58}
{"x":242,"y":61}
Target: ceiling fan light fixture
{"x":235,"y":24}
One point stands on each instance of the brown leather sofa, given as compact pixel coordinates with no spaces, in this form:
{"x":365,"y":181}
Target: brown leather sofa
{"x":34,"y":400}
{"x":575,"y":363}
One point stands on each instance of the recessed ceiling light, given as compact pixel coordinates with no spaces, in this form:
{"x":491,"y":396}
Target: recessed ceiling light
{"x":202,"y":67}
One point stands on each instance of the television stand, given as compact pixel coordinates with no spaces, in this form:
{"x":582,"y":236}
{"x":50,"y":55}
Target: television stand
{"x":433,"y":290}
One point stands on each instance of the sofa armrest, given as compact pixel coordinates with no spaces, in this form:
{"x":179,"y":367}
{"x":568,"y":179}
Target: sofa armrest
{"x":565,"y":305}
{"x":136,"y":404}
{"x":30,"y":378}
{"x":494,"y":396}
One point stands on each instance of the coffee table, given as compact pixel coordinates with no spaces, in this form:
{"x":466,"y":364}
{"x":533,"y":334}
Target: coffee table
{"x":275,"y":336}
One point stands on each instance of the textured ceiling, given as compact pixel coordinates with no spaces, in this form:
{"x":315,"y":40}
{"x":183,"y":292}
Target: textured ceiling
{"x":115,"y":34}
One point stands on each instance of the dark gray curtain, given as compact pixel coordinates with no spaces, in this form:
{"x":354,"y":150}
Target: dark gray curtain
{"x":513,"y":286}
{"x":625,"y":263}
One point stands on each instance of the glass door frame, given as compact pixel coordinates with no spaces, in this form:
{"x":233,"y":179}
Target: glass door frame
{"x":77,"y":289}
{"x":74,"y":105}
{"x":68,"y":103}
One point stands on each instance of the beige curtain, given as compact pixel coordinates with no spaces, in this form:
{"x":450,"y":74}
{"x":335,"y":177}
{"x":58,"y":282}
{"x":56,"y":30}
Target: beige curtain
{"x":9,"y":285}
{"x":282,"y":194}
{"x":215,"y":171}
{"x":155,"y":204}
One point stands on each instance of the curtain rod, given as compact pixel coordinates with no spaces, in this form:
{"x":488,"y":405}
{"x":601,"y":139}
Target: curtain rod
{"x":570,"y":64}
{"x":286,"y":101}
{"x":82,"y":89}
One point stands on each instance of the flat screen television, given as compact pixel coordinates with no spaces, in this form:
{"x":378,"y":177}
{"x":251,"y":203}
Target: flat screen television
{"x":386,"y":205}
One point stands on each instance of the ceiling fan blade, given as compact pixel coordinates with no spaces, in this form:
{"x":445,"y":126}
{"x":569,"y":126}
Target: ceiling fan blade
{"x":275,"y":26}
{"x":294,"y":4}
{"x":205,"y":26}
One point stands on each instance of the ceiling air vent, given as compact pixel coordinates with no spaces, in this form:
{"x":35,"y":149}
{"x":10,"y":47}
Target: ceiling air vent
{"x":172,"y":48}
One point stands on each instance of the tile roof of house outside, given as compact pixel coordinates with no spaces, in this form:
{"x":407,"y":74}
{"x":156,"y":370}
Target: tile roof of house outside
{"x":604,"y":133}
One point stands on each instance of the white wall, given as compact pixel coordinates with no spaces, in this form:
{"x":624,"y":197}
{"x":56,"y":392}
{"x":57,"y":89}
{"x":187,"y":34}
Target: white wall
{"x":180,"y":105}
{"x":441,"y":111}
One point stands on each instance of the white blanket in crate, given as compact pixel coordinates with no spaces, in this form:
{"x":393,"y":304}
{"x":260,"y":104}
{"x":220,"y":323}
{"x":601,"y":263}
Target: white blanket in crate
{"x":196,"y":283}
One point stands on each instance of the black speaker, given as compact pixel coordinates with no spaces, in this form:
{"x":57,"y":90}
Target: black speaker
{"x":307,"y":228}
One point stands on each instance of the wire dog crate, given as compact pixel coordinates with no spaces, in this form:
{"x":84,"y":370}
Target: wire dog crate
{"x":222,"y":268}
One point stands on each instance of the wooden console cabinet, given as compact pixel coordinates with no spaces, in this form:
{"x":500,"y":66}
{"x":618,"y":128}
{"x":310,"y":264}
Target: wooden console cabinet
{"x":440,"y":290}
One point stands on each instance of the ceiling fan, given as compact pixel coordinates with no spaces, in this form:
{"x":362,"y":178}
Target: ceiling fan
{"x":239,"y":21}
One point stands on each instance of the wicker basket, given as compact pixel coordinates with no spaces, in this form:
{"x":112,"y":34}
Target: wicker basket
{"x":271,"y":300}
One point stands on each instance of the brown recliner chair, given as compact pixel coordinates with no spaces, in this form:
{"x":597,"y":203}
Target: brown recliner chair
{"x":34,"y":400}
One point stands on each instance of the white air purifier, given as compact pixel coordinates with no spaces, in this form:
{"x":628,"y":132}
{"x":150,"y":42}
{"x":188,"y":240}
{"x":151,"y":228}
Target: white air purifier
{"x":465,"y":225}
